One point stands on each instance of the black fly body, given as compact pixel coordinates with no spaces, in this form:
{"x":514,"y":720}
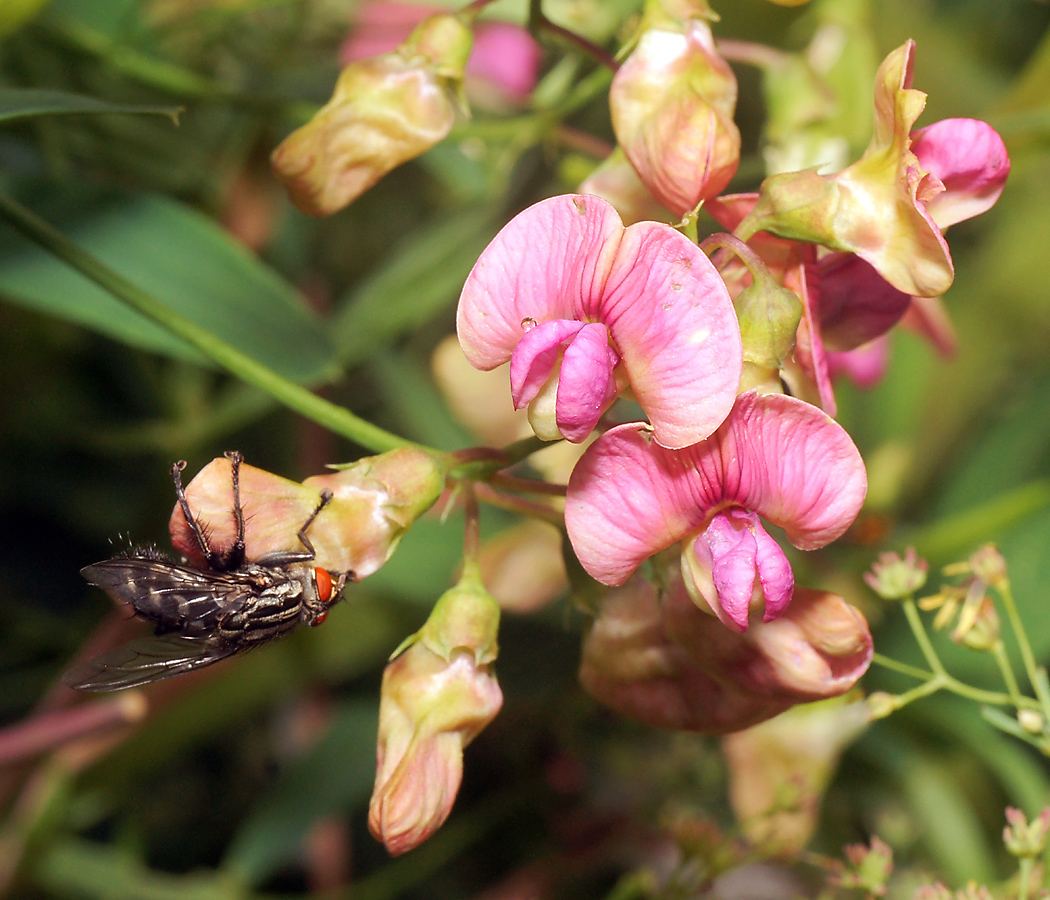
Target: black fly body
{"x":202,"y":615}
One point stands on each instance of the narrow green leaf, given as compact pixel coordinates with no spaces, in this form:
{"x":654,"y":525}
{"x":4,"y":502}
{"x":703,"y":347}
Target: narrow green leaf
{"x":24,"y":103}
{"x":190,"y":264}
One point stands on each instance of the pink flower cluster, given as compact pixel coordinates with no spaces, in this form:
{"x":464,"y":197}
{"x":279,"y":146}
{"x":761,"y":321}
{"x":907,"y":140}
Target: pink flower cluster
{"x":587,"y":311}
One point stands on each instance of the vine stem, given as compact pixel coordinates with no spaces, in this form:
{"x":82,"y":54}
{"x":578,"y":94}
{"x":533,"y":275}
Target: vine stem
{"x":922,"y":638}
{"x":1036,"y":676}
{"x":529,"y":508}
{"x":336,"y":418}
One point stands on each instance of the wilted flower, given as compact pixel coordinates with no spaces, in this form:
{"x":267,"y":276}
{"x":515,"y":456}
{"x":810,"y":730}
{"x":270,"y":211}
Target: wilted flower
{"x":774,"y":456}
{"x":661,"y":660}
{"x":374,"y":502}
{"x":583,"y":308}
{"x":503,"y":66}
{"x":385,"y":111}
{"x":437,"y":696}
{"x":672,"y":105}
{"x":884,"y":207}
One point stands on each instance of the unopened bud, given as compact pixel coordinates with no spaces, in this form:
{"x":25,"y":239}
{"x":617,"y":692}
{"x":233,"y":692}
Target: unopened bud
{"x":385,"y":111}
{"x":1025,"y":839}
{"x":769,"y":315}
{"x":672,"y":105}
{"x":880,"y":704}
{"x":437,"y":696}
{"x":867,"y":867}
{"x":894,"y":578}
{"x":1031,"y":720}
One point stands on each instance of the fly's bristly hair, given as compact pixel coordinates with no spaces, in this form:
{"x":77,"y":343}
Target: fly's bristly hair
{"x":202,"y":615}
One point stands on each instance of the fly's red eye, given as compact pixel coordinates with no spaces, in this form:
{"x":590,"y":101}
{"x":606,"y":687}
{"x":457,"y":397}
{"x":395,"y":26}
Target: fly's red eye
{"x":324,"y":584}
{"x":320,"y":616}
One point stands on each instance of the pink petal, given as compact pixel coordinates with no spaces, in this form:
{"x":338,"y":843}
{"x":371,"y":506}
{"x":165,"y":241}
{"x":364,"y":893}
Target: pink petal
{"x":809,"y":342}
{"x":586,"y":387}
{"x":789,"y":462}
{"x":549,"y":262}
{"x":681,"y":347}
{"x":928,"y":317}
{"x":970,"y":159}
{"x":533,"y":359}
{"x":856,"y":303}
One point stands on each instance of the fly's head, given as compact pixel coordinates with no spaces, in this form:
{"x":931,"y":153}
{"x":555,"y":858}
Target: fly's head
{"x":321,"y":591}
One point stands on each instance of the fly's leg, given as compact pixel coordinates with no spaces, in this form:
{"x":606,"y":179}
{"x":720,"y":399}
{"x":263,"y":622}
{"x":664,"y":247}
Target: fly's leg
{"x":233,"y":558}
{"x":288,"y":557}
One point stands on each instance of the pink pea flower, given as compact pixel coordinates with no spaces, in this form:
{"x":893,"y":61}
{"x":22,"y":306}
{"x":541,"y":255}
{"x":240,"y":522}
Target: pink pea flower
{"x":583,"y":308}
{"x":774,"y":456}
{"x":503,"y":66}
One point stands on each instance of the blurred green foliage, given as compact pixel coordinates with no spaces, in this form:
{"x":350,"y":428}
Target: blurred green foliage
{"x":230,"y":787}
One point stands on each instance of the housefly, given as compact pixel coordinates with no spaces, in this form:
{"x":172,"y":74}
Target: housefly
{"x":202,"y":615}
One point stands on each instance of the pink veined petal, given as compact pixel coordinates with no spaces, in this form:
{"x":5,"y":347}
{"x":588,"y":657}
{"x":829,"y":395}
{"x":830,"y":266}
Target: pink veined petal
{"x":789,"y":462}
{"x":534,"y":358}
{"x":549,"y":262}
{"x":795,"y":466}
{"x":774,"y":573}
{"x":727,"y":546}
{"x":628,"y":498}
{"x":809,"y":347}
{"x":586,"y":386}
{"x":856,"y":303}
{"x":681,"y":348}
{"x":970,"y":159}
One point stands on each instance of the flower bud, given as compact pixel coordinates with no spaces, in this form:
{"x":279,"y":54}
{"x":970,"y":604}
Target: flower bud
{"x":796,"y":751}
{"x":979,"y":626}
{"x":769,"y":315}
{"x":374,"y":502}
{"x":672,"y":107}
{"x":1031,"y":720}
{"x":894,"y":578}
{"x":436,"y":698}
{"x":385,"y":111}
{"x":867,"y":867}
{"x":880,"y":704}
{"x":1025,"y":839}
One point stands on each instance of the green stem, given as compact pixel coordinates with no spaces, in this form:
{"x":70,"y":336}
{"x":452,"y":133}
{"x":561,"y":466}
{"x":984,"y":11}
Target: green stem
{"x":1007,"y":671}
{"x":888,"y":663}
{"x":923,"y":690}
{"x":1024,"y":877}
{"x":519,"y":505}
{"x":1035,"y":677}
{"x":923,"y":639}
{"x":333,"y":417}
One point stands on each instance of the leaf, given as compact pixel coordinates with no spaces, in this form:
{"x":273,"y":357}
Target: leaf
{"x":24,"y":103}
{"x":186,"y":261}
{"x":337,"y":774}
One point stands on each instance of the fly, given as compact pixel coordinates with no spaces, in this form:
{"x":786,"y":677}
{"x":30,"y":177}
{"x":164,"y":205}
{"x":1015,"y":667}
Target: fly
{"x":202,"y":615}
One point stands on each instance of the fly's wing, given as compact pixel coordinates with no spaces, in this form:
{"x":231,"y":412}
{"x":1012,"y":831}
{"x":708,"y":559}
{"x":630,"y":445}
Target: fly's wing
{"x":177,"y":598}
{"x":145,"y":660}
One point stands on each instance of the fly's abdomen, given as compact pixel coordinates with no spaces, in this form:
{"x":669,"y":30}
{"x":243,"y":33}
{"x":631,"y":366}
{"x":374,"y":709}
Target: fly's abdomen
{"x":270,"y":613}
